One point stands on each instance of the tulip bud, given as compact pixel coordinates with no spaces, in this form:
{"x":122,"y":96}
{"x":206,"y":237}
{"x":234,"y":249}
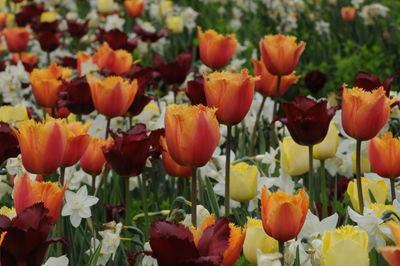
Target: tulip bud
{"x":9,"y":146}
{"x":105,"y":6}
{"x":92,"y":160}
{"x":328,"y":147}
{"x":244,"y":179}
{"x":165,"y":7}
{"x":294,"y":157}
{"x":48,"y":17}
{"x":377,"y":188}
{"x":134,"y":8}
{"x":256,"y":239}
{"x":175,"y":24}
{"x":77,"y":142}
{"x":346,"y":245}
{"x":117,"y":61}
{"x":348,"y":13}
{"x":17,"y":39}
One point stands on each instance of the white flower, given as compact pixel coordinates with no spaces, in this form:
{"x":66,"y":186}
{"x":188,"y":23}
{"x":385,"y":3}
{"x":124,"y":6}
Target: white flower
{"x":284,"y":182}
{"x":103,"y":258}
{"x":111,"y":240}
{"x":322,"y":27}
{"x":313,"y":227}
{"x":371,"y":12}
{"x":270,"y":159}
{"x":272,"y":259}
{"x":59,"y":261}
{"x":357,"y":3}
{"x":78,"y":205}
{"x":114,"y":22}
{"x":202,"y":214}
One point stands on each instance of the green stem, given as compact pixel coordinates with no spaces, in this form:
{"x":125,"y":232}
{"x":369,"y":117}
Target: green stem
{"x":59,"y":234}
{"x":282,"y":251}
{"x":324,"y":192}
{"x":358,"y":173}
{"x":128,"y":201}
{"x":275,"y":111}
{"x":228,"y":170}
{"x":335,"y":195}
{"x":108,"y":126}
{"x":144,"y":193}
{"x":194,"y":197}
{"x":93,"y":184}
{"x":310,"y":177}
{"x":253,"y":134}
{"x":48,"y":58}
{"x":392,"y":188}
{"x":62,"y":174}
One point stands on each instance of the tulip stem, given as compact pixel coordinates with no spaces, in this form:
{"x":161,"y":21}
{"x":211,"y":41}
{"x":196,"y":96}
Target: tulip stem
{"x":358,"y":173}
{"x":93,"y":184}
{"x":62,"y":174}
{"x":275,"y":110}
{"x":228,"y":170}
{"x":310,"y":177}
{"x":392,"y":188}
{"x":108,"y":126}
{"x":253,"y":134}
{"x":128,"y":200}
{"x":282,"y":251}
{"x":194,"y":196}
{"x":323,"y":190}
{"x":142,"y":184}
{"x":48,"y":58}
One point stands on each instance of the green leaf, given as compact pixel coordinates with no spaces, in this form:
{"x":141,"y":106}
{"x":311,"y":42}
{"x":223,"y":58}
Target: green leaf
{"x":95,"y":256}
{"x":371,"y":195}
{"x":212,"y":197}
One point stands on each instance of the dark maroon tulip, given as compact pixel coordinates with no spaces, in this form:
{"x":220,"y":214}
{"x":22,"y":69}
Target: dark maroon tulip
{"x":156,"y":149}
{"x":17,"y":1}
{"x":148,"y":36}
{"x":315,"y":80}
{"x":173,"y":73}
{"x":77,"y":97}
{"x":67,"y":61}
{"x":370,"y":82}
{"x":195,"y":91}
{"x":26,"y":241}
{"x":114,"y":212}
{"x":129,"y":152}
{"x":38,"y":26}
{"x":9,"y":146}
{"x":139,"y":103}
{"x":49,"y":41}
{"x":28,"y":13}
{"x":116,"y":39}
{"x":77,"y":29}
{"x":307,"y":120}
{"x":173,"y":244}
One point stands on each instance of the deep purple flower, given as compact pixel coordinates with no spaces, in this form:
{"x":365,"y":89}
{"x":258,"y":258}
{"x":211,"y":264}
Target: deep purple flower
{"x":148,"y":36}
{"x":315,"y":80}
{"x":49,"y":41}
{"x":77,"y":97}
{"x":67,"y":61}
{"x":9,"y":145}
{"x":76,"y":29}
{"x":195,"y":91}
{"x":370,"y":82}
{"x":28,"y":13}
{"x":174,"y":73}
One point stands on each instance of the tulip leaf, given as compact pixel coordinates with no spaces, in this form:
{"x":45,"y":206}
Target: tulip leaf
{"x":297,"y":261}
{"x":94,"y":257}
{"x":136,"y":231}
{"x":371,"y":195}
{"x":212,"y":197}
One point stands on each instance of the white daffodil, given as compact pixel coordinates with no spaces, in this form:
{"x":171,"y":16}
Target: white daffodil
{"x":78,"y":205}
{"x":111,"y":239}
{"x":202,"y":214}
{"x":59,"y":261}
{"x":313,"y":227}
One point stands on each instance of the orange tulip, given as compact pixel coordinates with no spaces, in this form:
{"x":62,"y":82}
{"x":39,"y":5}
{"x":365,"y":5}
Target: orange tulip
{"x":281,"y":53}
{"x":390,"y":253}
{"x":81,"y":57}
{"x":92,"y":160}
{"x":236,"y":240}
{"x":28,"y":192}
{"x":46,"y":84}
{"x":348,"y":13}
{"x":268,"y":82}
{"x":77,"y":142}
{"x":170,"y":166}
{"x":383,"y":153}
{"x":231,"y":93}
{"x":118,"y":62}
{"x":26,"y":58}
{"x":283,"y":215}
{"x":17,"y":38}
{"x":134,"y":8}
{"x":216,"y":50}
{"x":364,"y":113}
{"x":3,"y":19}
{"x":113,"y":95}
{"x":192,"y":133}
{"x":42,"y":145}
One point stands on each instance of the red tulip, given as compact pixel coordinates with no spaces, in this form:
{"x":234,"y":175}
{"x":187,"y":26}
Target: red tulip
{"x":77,"y":97}
{"x":77,"y":29}
{"x":9,"y":146}
{"x":370,"y":82}
{"x":195,"y":91}
{"x":175,"y":72}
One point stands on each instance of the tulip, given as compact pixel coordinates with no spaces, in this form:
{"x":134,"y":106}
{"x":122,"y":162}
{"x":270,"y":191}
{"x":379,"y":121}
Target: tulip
{"x":244,"y":179}
{"x":113,"y":95}
{"x":118,"y":62}
{"x":134,"y":8}
{"x":216,"y":50}
{"x":348,"y":13}
{"x":76,"y":29}
{"x":192,"y":133}
{"x":370,"y":82}
{"x":267,"y":84}
{"x":9,"y":146}
{"x":364,"y":113}
{"x":283,"y":215}
{"x":390,"y":253}
{"x":17,"y":39}
{"x":195,"y":91}
{"x":47,"y":84}
{"x":281,"y":53}
{"x":105,"y":6}
{"x":346,"y":245}
{"x":170,"y":166}
{"x":294,"y":157}
{"x":115,"y":38}
{"x":93,"y":159}
{"x":256,"y":239}
{"x":42,"y":145}
{"x":231,"y":93}
{"x":307,"y":120}
{"x":315,"y":80}
{"x":49,"y":41}
{"x":81,"y":58}
{"x":77,"y":97}
{"x":328,"y":147}
{"x":175,"y":24}
{"x":28,"y":60}
{"x":128,"y":153}
{"x":77,"y":142}
{"x":377,"y":188}
{"x":3,"y":20}
{"x":174,"y":73}
{"x":48,"y":17}
{"x":13,"y":114}
{"x":28,"y":192}
{"x":29,"y":13}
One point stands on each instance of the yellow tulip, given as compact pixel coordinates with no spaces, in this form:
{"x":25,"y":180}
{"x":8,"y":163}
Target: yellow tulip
{"x":10,"y":20}
{"x":346,"y":245}
{"x":14,"y":114}
{"x":48,"y":17}
{"x":375,"y":187}
{"x":175,"y":24}
{"x":165,"y":7}
{"x":365,"y":164}
{"x":244,"y":179}
{"x":9,"y":212}
{"x":105,"y":6}
{"x":256,"y":238}
{"x":328,"y":147}
{"x":294,"y":157}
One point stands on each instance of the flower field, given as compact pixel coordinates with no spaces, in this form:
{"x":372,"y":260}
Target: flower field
{"x":207,"y":132}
